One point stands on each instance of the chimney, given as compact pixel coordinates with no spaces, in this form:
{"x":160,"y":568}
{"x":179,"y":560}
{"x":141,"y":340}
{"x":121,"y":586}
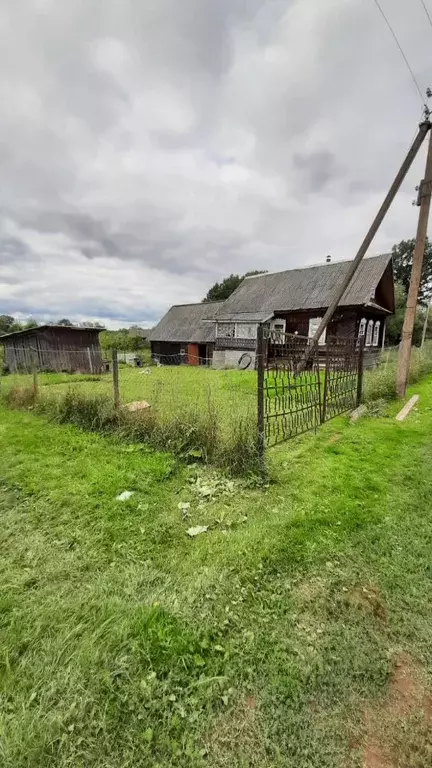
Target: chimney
{"x":328,"y":259}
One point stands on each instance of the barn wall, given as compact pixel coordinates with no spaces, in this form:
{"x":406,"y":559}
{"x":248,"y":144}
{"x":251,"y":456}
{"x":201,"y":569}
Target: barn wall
{"x":53,"y":349}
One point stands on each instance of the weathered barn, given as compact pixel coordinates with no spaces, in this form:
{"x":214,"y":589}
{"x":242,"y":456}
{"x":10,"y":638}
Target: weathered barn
{"x":53,"y":348}
{"x":185,"y":335}
{"x":295,"y":300}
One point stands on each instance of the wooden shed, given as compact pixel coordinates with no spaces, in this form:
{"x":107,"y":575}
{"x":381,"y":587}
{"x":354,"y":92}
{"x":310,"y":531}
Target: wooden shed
{"x":185,"y":335}
{"x":53,"y":348}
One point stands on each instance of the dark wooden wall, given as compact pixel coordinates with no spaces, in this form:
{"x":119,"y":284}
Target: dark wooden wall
{"x":55,"y":349}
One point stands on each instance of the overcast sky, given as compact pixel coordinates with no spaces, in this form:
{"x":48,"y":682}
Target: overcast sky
{"x":150,"y":147}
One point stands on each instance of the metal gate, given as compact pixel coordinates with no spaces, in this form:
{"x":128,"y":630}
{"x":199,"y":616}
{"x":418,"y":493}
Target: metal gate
{"x":301,"y":385}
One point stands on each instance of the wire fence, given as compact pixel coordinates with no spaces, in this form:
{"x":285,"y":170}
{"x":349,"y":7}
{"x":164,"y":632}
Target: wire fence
{"x":183,"y":403}
{"x":179,"y":402}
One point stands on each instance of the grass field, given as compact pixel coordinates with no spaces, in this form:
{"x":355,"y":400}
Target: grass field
{"x":295,"y":633}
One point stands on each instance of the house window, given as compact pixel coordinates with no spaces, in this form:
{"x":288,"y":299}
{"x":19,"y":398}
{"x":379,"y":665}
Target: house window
{"x":369,"y":333}
{"x":226,"y":330}
{"x":277,"y":327}
{"x":376,"y":333}
{"x":245,"y":331}
{"x":362,"y":328}
{"x":314,"y":323}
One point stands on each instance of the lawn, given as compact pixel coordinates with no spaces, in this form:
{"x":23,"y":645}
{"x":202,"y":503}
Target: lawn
{"x":295,"y":633}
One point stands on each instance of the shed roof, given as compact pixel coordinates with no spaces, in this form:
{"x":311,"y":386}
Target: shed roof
{"x":187,"y":323}
{"x":38,"y":328}
{"x":303,"y":289}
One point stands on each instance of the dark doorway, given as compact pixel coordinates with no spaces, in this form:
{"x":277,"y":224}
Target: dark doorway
{"x":202,"y":354}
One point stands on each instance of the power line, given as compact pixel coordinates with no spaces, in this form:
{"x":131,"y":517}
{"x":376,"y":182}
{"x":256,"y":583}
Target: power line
{"x":377,"y":3}
{"x":426,"y":12}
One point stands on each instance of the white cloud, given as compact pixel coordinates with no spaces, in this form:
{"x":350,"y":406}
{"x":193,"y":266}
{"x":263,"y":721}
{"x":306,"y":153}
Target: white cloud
{"x":148,"y":149}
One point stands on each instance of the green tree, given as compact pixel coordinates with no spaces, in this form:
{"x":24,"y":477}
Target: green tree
{"x":395,"y":322}
{"x":402,"y":262}
{"x":221,"y":291}
{"x":64,"y":321}
{"x":6,"y":323}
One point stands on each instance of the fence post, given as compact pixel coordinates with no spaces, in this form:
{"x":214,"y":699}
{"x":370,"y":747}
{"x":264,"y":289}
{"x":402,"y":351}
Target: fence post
{"x":360,"y":367}
{"x":260,"y":390}
{"x":115,"y":370}
{"x":34,"y":370}
{"x":323,"y":409}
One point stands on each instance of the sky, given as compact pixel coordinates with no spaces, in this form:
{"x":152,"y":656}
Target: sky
{"x":151,"y":147}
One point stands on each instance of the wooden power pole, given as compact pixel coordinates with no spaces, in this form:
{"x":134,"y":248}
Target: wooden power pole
{"x":424,"y":201}
{"x":340,"y":289}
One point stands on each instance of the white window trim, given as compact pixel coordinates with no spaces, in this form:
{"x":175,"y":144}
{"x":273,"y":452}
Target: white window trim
{"x":313,"y":327}
{"x":362,"y":328}
{"x":376,"y":333}
{"x":369,"y":333}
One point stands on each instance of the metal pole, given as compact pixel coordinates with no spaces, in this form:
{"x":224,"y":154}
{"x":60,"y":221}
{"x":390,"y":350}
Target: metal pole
{"x":116,"y":387}
{"x":416,"y":272}
{"x":425,"y":324}
{"x":260,"y":391}
{"x":340,"y":290}
{"x":34,"y":369}
{"x":360,"y":370}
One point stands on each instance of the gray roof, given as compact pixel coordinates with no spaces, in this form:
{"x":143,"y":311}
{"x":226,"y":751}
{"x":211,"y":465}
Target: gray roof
{"x":53,"y":327}
{"x":187,"y":323}
{"x":303,"y":289}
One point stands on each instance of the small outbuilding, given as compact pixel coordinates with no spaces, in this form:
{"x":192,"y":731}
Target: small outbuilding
{"x":53,"y":348}
{"x":185,"y":334}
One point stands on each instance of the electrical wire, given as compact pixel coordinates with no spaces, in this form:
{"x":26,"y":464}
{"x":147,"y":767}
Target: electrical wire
{"x":377,"y":3}
{"x":426,"y":12}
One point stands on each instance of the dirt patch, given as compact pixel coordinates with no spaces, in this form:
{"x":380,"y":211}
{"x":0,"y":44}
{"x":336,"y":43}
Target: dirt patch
{"x":375,"y":756}
{"x":406,"y":709}
{"x":238,"y":737}
{"x":406,"y":688}
{"x":334,"y":438}
{"x":368,"y":599}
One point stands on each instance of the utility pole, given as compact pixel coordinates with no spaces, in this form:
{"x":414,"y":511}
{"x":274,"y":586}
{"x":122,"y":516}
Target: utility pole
{"x":424,"y":201}
{"x":424,"y":127}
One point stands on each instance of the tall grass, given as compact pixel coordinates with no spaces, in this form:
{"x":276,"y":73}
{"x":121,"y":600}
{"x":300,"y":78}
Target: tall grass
{"x":380,"y":383}
{"x":194,"y":433}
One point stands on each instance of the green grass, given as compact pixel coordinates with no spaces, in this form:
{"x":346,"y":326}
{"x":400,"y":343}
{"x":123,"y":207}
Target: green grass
{"x":126,"y":643}
{"x":211,"y":413}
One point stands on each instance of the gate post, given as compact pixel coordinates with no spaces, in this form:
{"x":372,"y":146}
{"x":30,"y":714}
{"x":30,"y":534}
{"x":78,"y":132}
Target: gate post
{"x":360,"y":366}
{"x":323,"y":410}
{"x":115,"y":372}
{"x":260,"y":391}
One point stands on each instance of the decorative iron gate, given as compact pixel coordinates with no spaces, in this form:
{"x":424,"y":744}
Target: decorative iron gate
{"x":300,"y":386}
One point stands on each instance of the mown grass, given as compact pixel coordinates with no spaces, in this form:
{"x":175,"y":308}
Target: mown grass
{"x":127,"y":643}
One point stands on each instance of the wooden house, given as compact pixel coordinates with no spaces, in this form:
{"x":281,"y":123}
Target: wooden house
{"x":53,"y":348}
{"x":295,"y":300}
